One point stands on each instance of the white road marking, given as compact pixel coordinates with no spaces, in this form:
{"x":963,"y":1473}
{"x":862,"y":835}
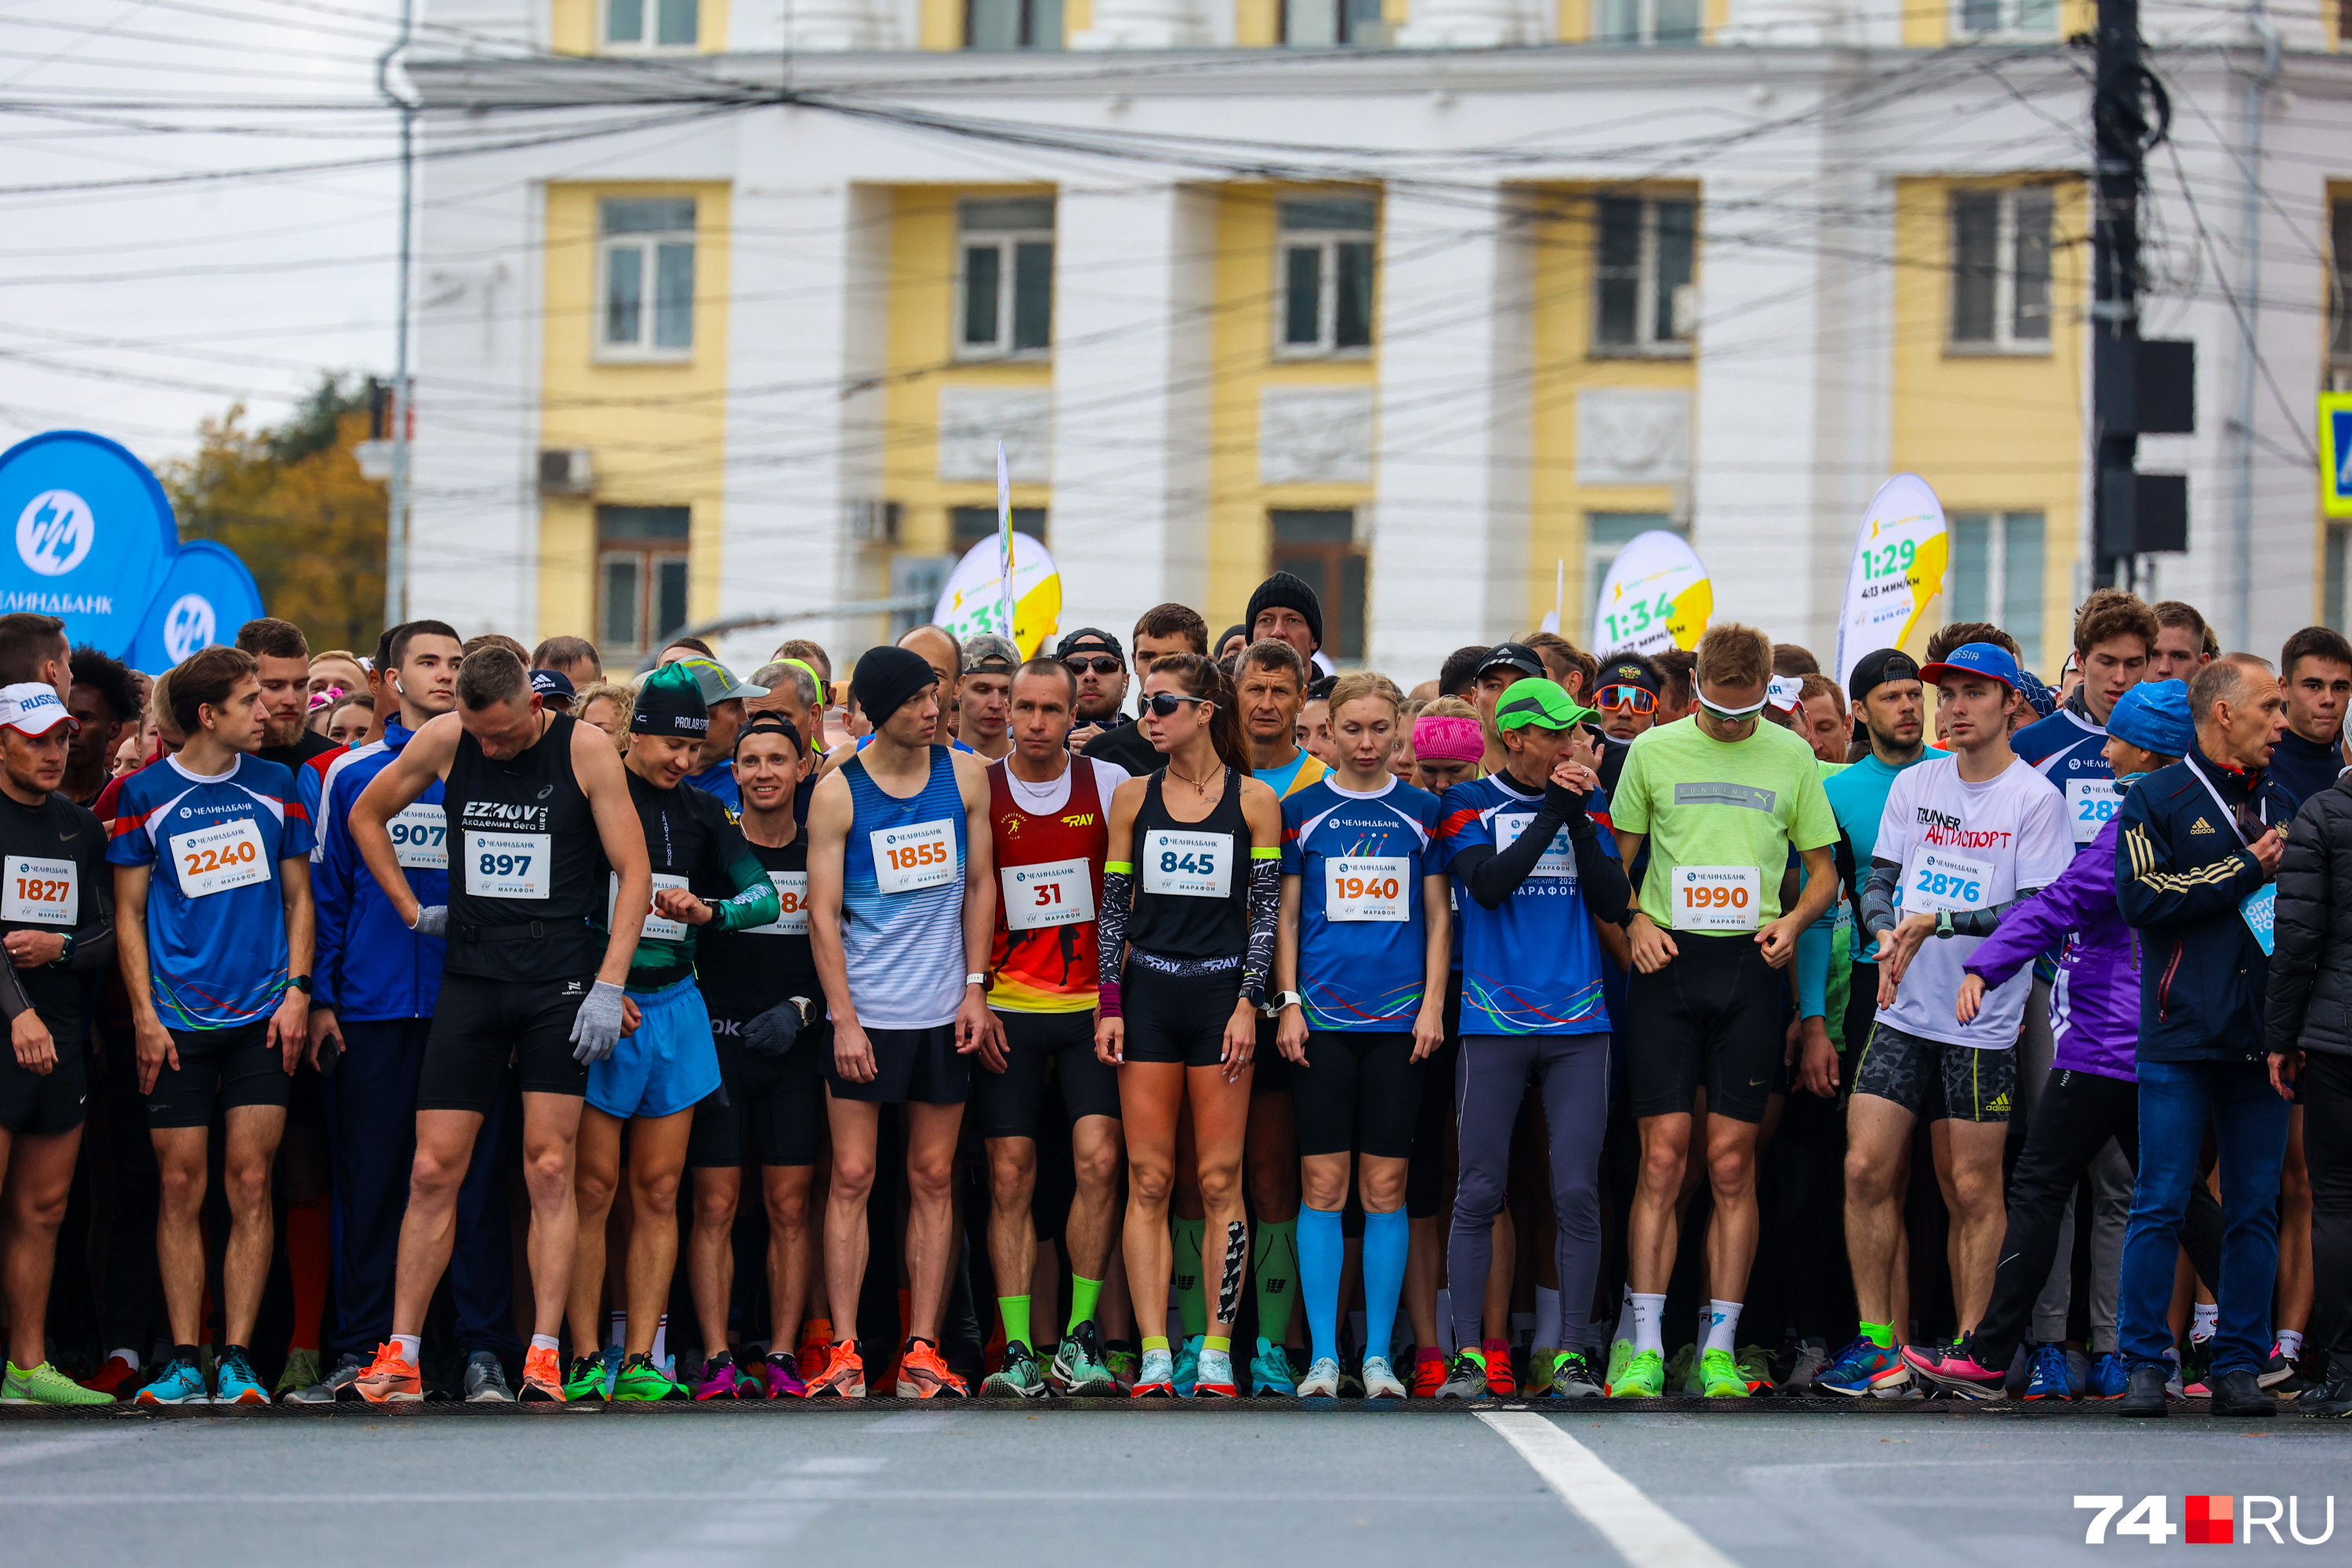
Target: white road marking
{"x":1644,"y":1534}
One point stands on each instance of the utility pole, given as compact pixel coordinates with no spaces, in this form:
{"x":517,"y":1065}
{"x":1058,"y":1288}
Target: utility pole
{"x":395,"y":532}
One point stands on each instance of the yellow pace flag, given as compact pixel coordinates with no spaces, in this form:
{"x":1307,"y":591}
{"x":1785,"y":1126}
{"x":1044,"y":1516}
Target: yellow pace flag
{"x":1900,"y":556}
{"x":973,"y":600}
{"x":1657,"y":596}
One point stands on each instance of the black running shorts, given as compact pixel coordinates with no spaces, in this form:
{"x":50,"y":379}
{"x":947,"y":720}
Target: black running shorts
{"x":480,"y":1026}
{"x":771,"y":1106}
{"x":223,"y":1067}
{"x":1712,"y":1017}
{"x":37,"y":1105}
{"x":1358,"y":1094}
{"x":1008,"y":1104}
{"x":918,"y":1066}
{"x":1934,"y":1080}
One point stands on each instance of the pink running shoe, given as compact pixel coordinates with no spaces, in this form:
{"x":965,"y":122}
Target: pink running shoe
{"x":783,"y":1376}
{"x":718,"y":1379}
{"x":1952,"y":1367}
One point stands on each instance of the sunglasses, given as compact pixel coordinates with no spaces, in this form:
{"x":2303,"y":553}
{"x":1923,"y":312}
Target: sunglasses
{"x":1102,"y":664}
{"x":1632,"y":697}
{"x":1163,"y":704}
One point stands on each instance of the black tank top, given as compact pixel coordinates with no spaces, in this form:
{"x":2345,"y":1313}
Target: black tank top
{"x":527,"y":868}
{"x":1191,"y":879}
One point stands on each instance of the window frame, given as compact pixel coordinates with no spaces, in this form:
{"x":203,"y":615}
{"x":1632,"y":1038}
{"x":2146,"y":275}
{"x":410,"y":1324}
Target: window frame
{"x":1006,"y":243}
{"x":1349,"y":31}
{"x":2006,"y":340}
{"x":1645,"y":34}
{"x":646,"y":43}
{"x":1040,"y":21}
{"x":2022,"y":621}
{"x":648,"y":553}
{"x":1342,"y":567}
{"x":648,"y":245}
{"x":2009,"y":29}
{"x":1648,"y":282}
{"x":1326,"y":242}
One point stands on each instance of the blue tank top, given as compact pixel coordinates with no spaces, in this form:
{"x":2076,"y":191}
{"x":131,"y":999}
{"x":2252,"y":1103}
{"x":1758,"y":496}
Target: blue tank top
{"x":902,"y":899}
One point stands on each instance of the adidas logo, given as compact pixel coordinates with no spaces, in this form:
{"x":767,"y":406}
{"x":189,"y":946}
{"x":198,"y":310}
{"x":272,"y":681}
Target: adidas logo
{"x":1999,"y":1102}
{"x":2199,"y":826}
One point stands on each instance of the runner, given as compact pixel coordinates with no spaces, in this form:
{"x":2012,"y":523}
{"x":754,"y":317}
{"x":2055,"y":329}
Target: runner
{"x":216,"y":953}
{"x":2184,"y":643}
{"x":104,"y":701}
{"x":283,"y":658}
{"x":1361,"y":960}
{"x":1503,"y":663}
{"x":1194,"y":938}
{"x":984,"y":694}
{"x":1627,"y":697}
{"x":723,"y":698}
{"x":1284,"y":608}
{"x":1719,"y":804}
{"x":540,"y":824}
{"x":1049,"y":815}
{"x":1160,"y":630}
{"x":33,"y":649}
{"x":1098,"y":663}
{"x":900,"y":893}
{"x":761,"y":984}
{"x":52,"y":910}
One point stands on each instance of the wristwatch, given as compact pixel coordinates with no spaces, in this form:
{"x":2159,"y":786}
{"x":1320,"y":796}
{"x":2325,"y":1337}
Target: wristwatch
{"x":1281,"y":999}
{"x":976,"y":978}
{"x":300,"y":982}
{"x":65,"y":957}
{"x":1943,"y":922}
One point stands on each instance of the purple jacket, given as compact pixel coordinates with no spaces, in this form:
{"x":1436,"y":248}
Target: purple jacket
{"x":2095,"y":1001}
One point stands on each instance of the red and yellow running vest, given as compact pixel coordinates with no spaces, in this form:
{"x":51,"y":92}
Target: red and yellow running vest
{"x":1049,"y":873}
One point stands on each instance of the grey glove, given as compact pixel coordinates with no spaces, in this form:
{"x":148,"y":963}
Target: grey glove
{"x":596,"y":1029}
{"x":773,"y":1032}
{"x":431,"y":920}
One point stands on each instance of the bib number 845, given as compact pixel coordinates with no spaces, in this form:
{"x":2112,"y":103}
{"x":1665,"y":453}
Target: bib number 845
{"x":1204,"y":864}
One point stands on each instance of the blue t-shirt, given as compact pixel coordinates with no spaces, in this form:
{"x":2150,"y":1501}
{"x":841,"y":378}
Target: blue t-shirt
{"x":2070,"y":751}
{"x":1363,"y":936}
{"x":216,"y":921}
{"x":1857,"y":797}
{"x":1533,"y":966}
{"x":719,"y":779}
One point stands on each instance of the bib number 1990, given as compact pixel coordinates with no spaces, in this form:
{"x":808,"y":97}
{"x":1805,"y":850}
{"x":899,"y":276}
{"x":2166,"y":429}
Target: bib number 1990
{"x":1717,"y":897}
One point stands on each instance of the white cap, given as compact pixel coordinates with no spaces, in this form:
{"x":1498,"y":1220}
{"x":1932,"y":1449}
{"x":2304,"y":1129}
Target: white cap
{"x":1785,"y":692}
{"x":33,"y":708}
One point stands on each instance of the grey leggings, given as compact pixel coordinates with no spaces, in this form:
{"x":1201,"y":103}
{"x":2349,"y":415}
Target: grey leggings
{"x":1489,"y":1081}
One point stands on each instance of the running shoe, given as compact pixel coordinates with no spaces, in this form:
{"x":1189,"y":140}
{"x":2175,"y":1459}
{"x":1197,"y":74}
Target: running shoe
{"x":1187,"y":1364}
{"x":1018,"y":1378}
{"x":1643,"y":1377}
{"x":1081,"y":1369}
{"x":1270,"y":1371}
{"x":1428,"y":1376}
{"x":1322,"y":1379}
{"x":1952,"y":1367}
{"x":1541,"y":1359}
{"x":179,"y":1382}
{"x":2192,"y":1369}
{"x":780,"y":1378}
{"x":1351,"y":1379}
{"x":486,"y":1380}
{"x":301,"y":1370}
{"x":337,"y":1385}
{"x":585,"y":1380}
{"x":1863,"y":1367}
{"x":1381,"y":1379}
{"x":2281,"y":1373}
{"x":2331,"y":1396}
{"x":234,"y":1379}
{"x":542,"y":1376}
{"x":115,"y":1379}
{"x":1465,"y":1377}
{"x":718,"y":1379}
{"x":641,"y":1382}
{"x":1720,"y":1376}
{"x":44,"y":1385}
{"x":1155,"y":1377}
{"x":2046,"y":1375}
{"x":2078,"y":1372}
{"x":1812,"y":1356}
{"x":2110,"y":1376}
{"x":1125,"y":1364}
{"x":1756,"y":1366}
{"x":1502,"y":1379}
{"x":1620,"y":1352}
{"x":922,"y":1374}
{"x":390,"y":1379}
{"x":1571,"y":1376}
{"x":1214,"y":1376}
{"x":1682,"y":1372}
{"x":843,"y":1376}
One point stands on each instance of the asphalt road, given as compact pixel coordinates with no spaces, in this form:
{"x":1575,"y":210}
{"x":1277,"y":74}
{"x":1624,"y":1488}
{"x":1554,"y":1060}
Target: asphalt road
{"x":975,"y":1487}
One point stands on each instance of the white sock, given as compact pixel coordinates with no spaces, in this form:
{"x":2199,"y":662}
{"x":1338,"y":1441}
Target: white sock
{"x":2207,"y":1322}
{"x":132,"y":1356}
{"x":1647,"y":1311}
{"x":1723,"y":1327}
{"x":406,"y":1344}
{"x":542,"y":1342}
{"x":2290,"y":1343}
{"x":1547,"y":1319}
{"x":1625,"y":1316}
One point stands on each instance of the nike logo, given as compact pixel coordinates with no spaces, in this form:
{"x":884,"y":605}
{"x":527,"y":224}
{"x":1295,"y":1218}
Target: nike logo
{"x":1757,"y":1083}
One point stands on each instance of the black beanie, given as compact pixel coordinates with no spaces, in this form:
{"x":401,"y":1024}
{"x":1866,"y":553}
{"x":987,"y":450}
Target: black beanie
{"x":885,"y":678}
{"x":670,"y":703}
{"x":1283,"y":591}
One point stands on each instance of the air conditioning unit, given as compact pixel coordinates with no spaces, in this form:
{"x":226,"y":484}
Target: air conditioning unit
{"x":565,"y":471}
{"x":872,"y":522}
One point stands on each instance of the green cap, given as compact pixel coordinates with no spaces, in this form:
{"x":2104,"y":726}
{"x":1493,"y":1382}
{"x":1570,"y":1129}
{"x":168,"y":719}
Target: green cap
{"x":1534,"y":701}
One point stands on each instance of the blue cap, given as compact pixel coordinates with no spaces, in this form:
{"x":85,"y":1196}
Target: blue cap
{"x":1986,"y":658}
{"x":2154,"y":716}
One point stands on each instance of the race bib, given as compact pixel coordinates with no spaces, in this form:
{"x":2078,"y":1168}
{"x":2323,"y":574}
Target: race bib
{"x":2258,"y":909}
{"x":792,"y":899}
{"x":1717,"y":897}
{"x":420,"y":838}
{"x":215,"y":859}
{"x":908,"y":859}
{"x":1940,"y":881}
{"x":42,"y":892}
{"x":1188,"y":864}
{"x":658,"y":927}
{"x":509,"y":865}
{"x":2090,"y":804}
{"x":1059,"y":893}
{"x":1559,"y":860}
{"x":1371,"y":888}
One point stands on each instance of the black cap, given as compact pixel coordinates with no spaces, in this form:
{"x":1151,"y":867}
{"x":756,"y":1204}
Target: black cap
{"x":1090,"y":638}
{"x":1628,"y":672}
{"x":670,"y":703}
{"x":553,"y":683}
{"x":1875,"y":669}
{"x":1283,"y":591}
{"x":1518,"y":656}
{"x":886,"y":677}
{"x":768,"y":723}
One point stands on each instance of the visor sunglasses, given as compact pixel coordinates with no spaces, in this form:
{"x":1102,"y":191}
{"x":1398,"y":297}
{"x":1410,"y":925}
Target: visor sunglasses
{"x":1632,"y":697}
{"x":1101,"y":664}
{"x":1163,"y":704}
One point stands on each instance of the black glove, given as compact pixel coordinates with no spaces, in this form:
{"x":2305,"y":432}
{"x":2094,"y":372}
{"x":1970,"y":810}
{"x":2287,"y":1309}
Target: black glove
{"x":773,"y":1032}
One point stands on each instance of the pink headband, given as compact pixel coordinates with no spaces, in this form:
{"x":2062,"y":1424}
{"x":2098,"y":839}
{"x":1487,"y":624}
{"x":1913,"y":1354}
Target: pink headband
{"x":1446,"y":739}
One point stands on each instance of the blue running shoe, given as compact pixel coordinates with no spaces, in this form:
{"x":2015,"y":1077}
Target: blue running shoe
{"x":2110,"y":1377}
{"x":181,"y":1382}
{"x":1863,"y":1367}
{"x":1188,"y":1365}
{"x":233,"y":1380}
{"x":1270,"y":1371}
{"x":2046,"y":1375}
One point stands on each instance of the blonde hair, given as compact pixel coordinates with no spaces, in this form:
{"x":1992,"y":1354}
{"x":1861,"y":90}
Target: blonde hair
{"x":1361,"y":684}
{"x":1731,"y":654}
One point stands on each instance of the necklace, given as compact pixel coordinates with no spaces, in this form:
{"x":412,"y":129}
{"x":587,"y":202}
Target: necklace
{"x":1199,"y":785}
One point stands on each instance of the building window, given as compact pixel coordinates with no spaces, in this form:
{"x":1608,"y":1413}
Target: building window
{"x":1013,"y":24}
{"x":1996,"y":575}
{"x":2006,"y":19}
{"x":641,"y":575}
{"x":2001,"y":271}
{"x":968,"y":525}
{"x":1647,"y":22}
{"x":2340,"y":561}
{"x":1326,"y":284}
{"x":1606,"y":533}
{"x":1321,"y":549}
{"x":1007,"y":247}
{"x":1642,"y":300}
{"x":2339,"y":296}
{"x":1309,"y":23}
{"x":652,"y":23}
{"x":644,"y":253}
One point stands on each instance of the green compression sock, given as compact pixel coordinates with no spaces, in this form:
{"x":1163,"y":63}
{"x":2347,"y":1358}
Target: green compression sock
{"x":1879,"y":1334}
{"x":1015,"y":1312}
{"x":1192,"y":1296}
{"x":1277,"y":1278}
{"x":1084,"y":1294}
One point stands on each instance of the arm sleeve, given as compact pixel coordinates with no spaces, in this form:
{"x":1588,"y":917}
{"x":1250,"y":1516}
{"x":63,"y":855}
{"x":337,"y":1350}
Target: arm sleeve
{"x":330,"y":890}
{"x":2299,"y":930}
{"x":2152,"y":894}
{"x":1110,"y":931}
{"x":1878,"y":896}
{"x":755,"y":903}
{"x":1813,"y":969}
{"x":1265,"y":907}
{"x":94,"y":936}
{"x":1494,"y":875}
{"x":1607,"y":894}
{"x":1983,"y":922}
{"x":13,"y":999}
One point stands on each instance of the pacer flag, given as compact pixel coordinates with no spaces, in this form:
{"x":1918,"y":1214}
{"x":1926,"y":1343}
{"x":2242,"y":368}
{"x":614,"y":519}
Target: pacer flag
{"x":973,"y":600}
{"x":1898,"y":571}
{"x":1656,"y":596}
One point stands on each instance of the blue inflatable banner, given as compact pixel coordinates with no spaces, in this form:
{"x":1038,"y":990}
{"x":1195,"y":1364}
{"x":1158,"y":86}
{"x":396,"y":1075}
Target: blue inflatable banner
{"x":205,"y":596}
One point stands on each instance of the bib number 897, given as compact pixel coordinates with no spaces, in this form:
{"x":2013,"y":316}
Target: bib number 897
{"x":1944,"y":885}
{"x":910,"y":856}
{"x":494,"y":865}
{"x":203,"y":860}
{"x":1715,"y":896}
{"x":1199,"y":865}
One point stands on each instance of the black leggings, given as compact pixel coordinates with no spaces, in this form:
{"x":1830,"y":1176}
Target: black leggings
{"x":2326,"y":1086}
{"x":1358,"y":1094}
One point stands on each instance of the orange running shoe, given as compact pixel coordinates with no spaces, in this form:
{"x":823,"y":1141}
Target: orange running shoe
{"x":109,"y":1378}
{"x":843,"y":1376}
{"x":1428,"y":1376}
{"x":1502,"y":1383}
{"x":922,"y":1374}
{"x":811,"y":1357}
{"x":542,"y":1376}
{"x":390,"y":1379}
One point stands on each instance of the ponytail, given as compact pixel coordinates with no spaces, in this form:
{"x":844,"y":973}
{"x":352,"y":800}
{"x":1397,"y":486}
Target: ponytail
{"x":1205,"y":679}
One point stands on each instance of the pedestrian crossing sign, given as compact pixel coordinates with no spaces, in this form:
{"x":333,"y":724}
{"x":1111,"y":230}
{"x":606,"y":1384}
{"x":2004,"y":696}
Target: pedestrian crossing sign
{"x":2335,"y":453}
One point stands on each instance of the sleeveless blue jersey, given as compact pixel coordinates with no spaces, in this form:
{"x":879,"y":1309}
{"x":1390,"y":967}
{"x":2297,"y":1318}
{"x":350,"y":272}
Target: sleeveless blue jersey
{"x":902,"y":899}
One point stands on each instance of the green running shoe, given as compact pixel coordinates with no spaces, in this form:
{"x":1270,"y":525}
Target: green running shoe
{"x":1682,"y":1370}
{"x":641,"y":1380}
{"x":585,"y":1380}
{"x":301,"y":1371}
{"x":44,"y":1385}
{"x":1018,"y":1378}
{"x":1721,"y":1377}
{"x":1644,"y":1377}
{"x":1540,"y":1361}
{"x":1080,"y":1367}
{"x":1620,"y":1352}
{"x":1756,"y":1367}
{"x":1126,"y":1364}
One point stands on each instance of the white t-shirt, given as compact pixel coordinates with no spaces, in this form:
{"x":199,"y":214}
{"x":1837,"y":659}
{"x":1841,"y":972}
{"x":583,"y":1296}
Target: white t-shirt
{"x":1044,"y":800}
{"x":1967,"y":846}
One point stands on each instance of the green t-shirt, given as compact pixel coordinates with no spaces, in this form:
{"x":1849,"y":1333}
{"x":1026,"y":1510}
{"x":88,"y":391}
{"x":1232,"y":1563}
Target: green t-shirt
{"x":1703,"y":803}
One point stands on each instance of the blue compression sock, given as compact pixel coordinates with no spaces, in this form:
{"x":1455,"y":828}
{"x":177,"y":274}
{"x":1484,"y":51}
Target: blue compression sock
{"x":1388,"y":1237}
{"x":1321,"y":1251}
